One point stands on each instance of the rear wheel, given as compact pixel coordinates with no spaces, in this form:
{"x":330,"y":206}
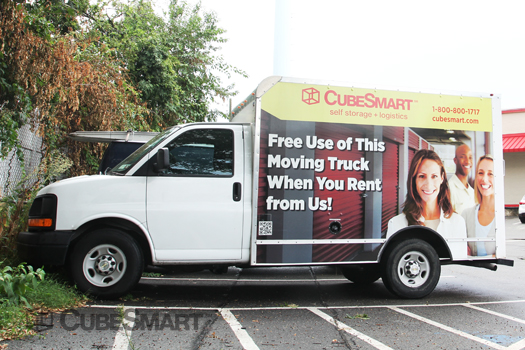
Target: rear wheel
{"x":106,"y":263}
{"x":362,"y":274}
{"x":411,"y":269}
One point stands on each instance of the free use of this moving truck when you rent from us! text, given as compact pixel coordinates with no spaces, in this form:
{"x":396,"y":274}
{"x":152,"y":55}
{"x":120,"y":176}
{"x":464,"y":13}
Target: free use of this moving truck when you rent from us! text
{"x":306,"y":173}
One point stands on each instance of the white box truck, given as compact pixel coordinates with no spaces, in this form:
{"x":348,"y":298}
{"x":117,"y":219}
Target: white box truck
{"x":387,"y":184}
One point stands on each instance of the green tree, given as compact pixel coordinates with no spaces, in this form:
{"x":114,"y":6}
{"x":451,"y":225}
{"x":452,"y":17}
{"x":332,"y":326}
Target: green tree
{"x":60,"y":84}
{"x":57,"y":84}
{"x":68,"y":66}
{"x":73,"y":66}
{"x":48,"y":17}
{"x":15,"y":104}
{"x":172,"y":60}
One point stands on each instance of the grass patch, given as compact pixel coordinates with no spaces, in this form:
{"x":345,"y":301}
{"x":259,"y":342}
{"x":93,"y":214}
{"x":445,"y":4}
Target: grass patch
{"x":51,"y":294}
{"x":15,"y":322}
{"x":358,"y":316}
{"x":54,"y":293}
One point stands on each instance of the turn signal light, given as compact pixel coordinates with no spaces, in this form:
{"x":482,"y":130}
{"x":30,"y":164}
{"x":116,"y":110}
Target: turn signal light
{"x":40,"y":222}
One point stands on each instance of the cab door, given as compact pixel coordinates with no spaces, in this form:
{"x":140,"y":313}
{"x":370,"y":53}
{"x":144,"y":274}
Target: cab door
{"x":194,"y":205}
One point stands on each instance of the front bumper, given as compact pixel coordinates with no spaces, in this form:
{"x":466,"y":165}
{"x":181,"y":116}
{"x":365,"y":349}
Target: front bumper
{"x":44,"y":248}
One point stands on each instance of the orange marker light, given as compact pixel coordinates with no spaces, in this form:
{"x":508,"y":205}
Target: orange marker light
{"x":40,"y":222}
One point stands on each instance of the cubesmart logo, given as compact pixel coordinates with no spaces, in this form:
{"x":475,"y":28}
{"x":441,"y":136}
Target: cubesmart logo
{"x":311,"y":96}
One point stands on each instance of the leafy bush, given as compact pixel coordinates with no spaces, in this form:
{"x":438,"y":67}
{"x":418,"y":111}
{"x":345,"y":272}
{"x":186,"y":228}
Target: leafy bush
{"x":16,"y":282}
{"x":50,"y":295}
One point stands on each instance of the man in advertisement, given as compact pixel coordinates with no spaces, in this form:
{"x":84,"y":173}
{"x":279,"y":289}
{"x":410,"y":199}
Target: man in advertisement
{"x":461,"y":193}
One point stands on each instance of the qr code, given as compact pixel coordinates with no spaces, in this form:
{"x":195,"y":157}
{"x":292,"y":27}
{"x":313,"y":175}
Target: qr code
{"x":265,"y":228}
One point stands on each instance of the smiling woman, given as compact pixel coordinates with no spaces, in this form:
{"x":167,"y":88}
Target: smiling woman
{"x":480,"y":218}
{"x":428,"y":199}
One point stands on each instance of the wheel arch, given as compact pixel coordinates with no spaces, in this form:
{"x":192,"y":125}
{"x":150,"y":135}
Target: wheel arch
{"x":126,"y":226}
{"x":419,"y":232}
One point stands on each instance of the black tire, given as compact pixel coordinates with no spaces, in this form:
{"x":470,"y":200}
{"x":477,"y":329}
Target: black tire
{"x":106,"y":263}
{"x":362,"y":274}
{"x":522,"y":218}
{"x":411,"y":269}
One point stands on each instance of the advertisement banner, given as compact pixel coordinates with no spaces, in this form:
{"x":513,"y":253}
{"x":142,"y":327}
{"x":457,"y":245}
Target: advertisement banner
{"x":347,"y":105}
{"x":340,"y":171}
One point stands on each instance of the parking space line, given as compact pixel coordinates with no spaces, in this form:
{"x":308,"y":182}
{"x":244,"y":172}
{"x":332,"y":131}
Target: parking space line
{"x":239,"y":331}
{"x":376,"y":344}
{"x":306,"y":307}
{"x":495,"y":313}
{"x":123,"y":336}
{"x":517,"y":346}
{"x":449,"y":329}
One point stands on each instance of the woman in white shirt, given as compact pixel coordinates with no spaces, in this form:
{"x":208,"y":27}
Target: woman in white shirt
{"x":480,"y":218}
{"x":428,"y":202}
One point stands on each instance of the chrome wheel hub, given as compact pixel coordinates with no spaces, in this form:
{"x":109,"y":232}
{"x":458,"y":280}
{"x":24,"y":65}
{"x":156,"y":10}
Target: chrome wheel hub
{"x":413,"y":269}
{"x":105,"y":264}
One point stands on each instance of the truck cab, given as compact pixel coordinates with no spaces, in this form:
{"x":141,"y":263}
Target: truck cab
{"x":181,"y":198}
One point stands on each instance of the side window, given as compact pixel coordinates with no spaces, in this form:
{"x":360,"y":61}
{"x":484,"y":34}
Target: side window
{"x":202,"y":152}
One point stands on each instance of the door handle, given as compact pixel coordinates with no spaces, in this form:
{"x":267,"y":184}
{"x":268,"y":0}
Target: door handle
{"x":237,"y":191}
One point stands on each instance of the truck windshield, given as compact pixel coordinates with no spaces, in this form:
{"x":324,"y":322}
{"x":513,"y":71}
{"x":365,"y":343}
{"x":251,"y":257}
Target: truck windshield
{"x":123,"y":167}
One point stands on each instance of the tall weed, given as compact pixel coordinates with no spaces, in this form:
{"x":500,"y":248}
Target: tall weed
{"x":14,"y":207}
{"x":16,"y":282}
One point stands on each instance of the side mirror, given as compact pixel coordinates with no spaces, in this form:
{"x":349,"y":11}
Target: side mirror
{"x":163,"y":159}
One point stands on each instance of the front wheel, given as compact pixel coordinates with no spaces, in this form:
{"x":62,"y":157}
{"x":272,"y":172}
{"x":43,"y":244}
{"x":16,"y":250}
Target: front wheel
{"x":106,"y":263}
{"x":411,"y":269}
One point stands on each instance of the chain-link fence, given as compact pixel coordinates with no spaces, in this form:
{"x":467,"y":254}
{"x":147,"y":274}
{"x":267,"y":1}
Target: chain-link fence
{"x":10,"y":167}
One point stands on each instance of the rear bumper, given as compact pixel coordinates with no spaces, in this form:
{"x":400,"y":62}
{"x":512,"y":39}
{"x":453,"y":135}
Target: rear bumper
{"x":44,"y":248}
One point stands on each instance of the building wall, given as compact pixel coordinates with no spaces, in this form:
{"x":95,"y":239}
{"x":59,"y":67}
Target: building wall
{"x":514,"y":177}
{"x":514,"y":123}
